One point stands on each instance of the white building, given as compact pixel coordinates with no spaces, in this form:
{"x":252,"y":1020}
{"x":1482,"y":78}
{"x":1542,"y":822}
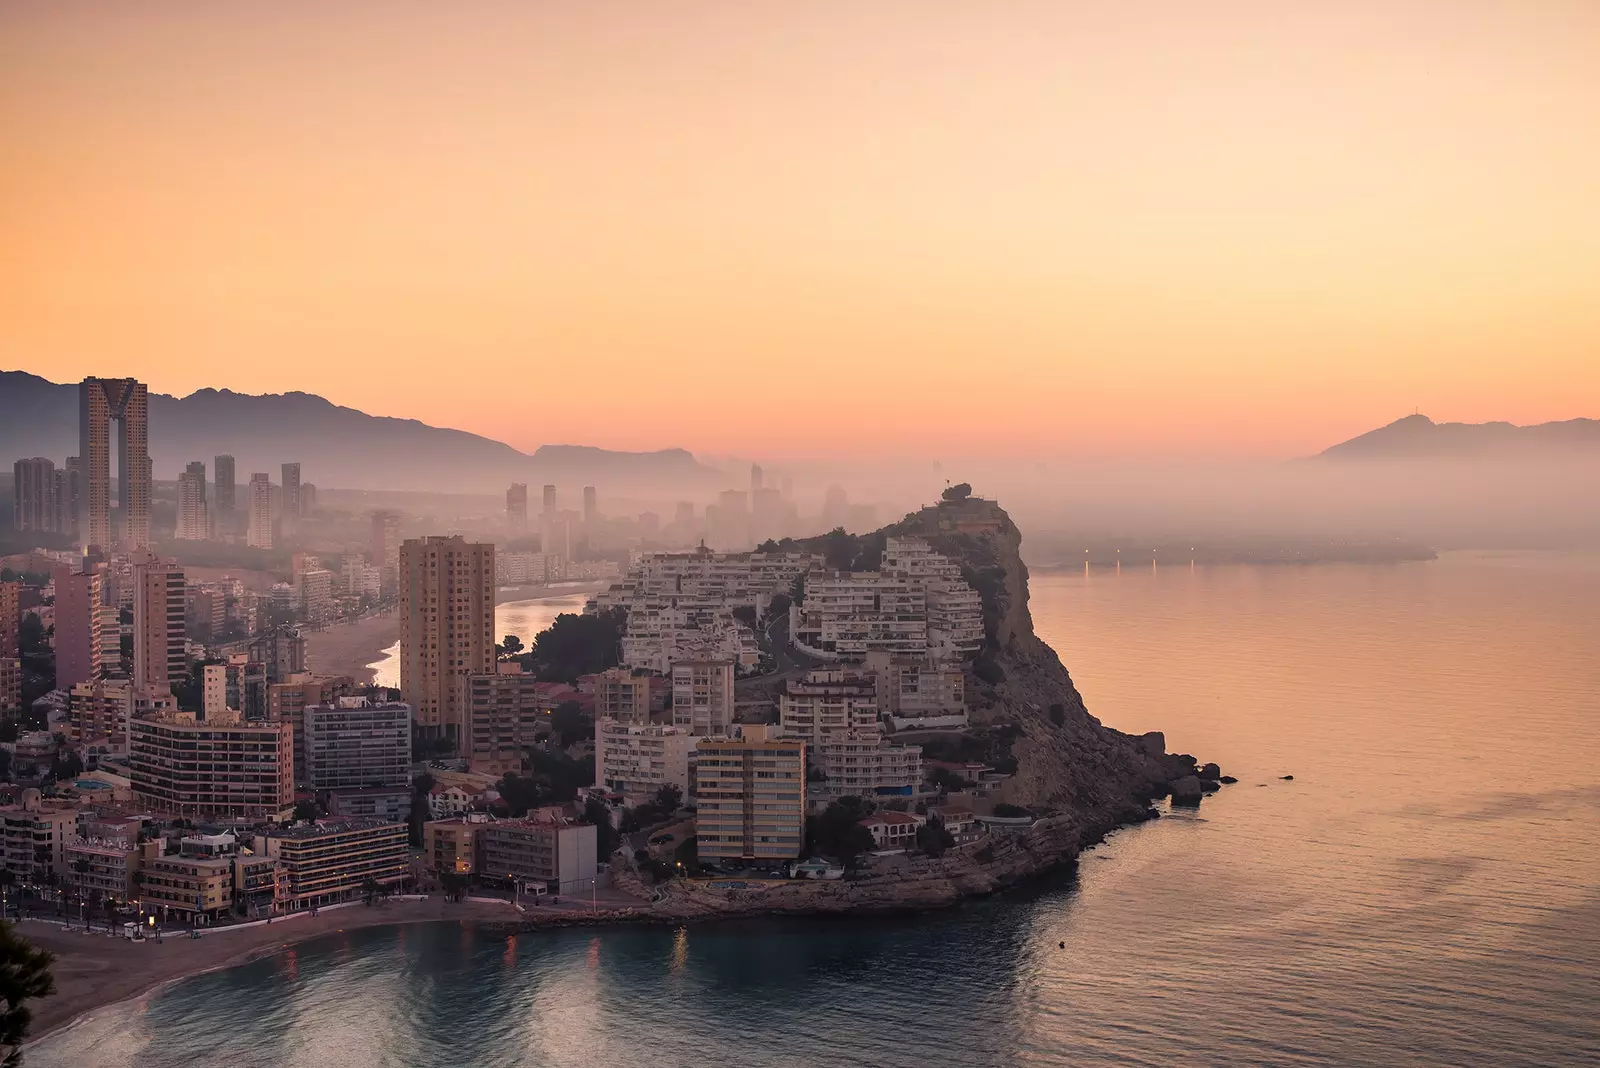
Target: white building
{"x":193,"y":522}
{"x":827,"y":701}
{"x":702,"y":696}
{"x":637,"y":760}
{"x":862,"y":764}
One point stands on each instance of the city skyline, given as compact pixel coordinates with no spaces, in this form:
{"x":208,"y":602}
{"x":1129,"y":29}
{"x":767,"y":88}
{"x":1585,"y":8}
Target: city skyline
{"x":1232,"y":231}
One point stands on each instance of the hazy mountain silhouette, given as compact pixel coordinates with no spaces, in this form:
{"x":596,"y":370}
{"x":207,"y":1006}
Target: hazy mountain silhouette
{"x":337,"y":447}
{"x":1418,"y":437}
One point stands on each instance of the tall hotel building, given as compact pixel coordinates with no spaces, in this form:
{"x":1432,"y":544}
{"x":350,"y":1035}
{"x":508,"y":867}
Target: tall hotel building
{"x":193,"y":521}
{"x":517,"y":507}
{"x":446,"y":629}
{"x":100,"y":402}
{"x":292,"y":504}
{"x":258,"y":535}
{"x":159,"y":659}
{"x":223,"y":501}
{"x":34,"y":482}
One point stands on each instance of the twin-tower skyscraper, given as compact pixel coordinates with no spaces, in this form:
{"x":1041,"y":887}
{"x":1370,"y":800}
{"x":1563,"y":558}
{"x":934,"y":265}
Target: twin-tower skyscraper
{"x":102,"y":401}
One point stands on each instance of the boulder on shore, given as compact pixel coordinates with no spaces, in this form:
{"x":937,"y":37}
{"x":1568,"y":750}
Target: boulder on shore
{"x":1210,"y":771}
{"x":1153,"y":744}
{"x":1187,"y":791}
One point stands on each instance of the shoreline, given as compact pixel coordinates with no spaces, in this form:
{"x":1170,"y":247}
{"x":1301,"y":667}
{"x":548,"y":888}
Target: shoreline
{"x":349,"y":648}
{"x":94,"y":972}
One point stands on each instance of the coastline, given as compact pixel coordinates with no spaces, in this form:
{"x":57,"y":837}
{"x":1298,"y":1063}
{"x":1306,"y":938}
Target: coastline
{"x":95,"y":971}
{"x":348,"y":648}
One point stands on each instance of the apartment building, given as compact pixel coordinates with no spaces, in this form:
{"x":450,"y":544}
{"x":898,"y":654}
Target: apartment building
{"x":446,"y":629}
{"x":451,"y":845}
{"x":106,"y":865}
{"x":316,"y":594}
{"x":623,"y":695}
{"x":88,"y":638}
{"x":354,"y":742}
{"x":750,"y":793}
{"x":258,"y":501}
{"x":730,"y":579}
{"x":636,"y":760}
{"x":194,"y":889}
{"x":702,"y":696}
{"x":99,"y":711}
{"x":34,"y":486}
{"x":10,"y":684}
{"x":36,"y":832}
{"x":919,"y":692}
{"x":823,"y":701}
{"x":194,"y":523}
{"x":225,"y":769}
{"x":552,"y":852}
{"x":101,"y":402}
{"x":159,"y":657}
{"x":862,"y":763}
{"x":661,"y":631}
{"x":329,"y":861}
{"x":504,"y":709}
{"x":955,"y":609}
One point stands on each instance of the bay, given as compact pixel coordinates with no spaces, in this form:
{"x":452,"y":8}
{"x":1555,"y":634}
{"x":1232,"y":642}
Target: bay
{"x":1425,"y":890}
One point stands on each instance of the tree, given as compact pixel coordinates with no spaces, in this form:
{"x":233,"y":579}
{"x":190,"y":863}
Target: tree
{"x":370,"y":889}
{"x":837,"y":830}
{"x":577,"y":645}
{"x":933,"y":838}
{"x":305,"y":811}
{"x":668,"y":798}
{"x":606,"y":838}
{"x":959,"y":492}
{"x":1009,"y":811}
{"x":24,"y":974}
{"x":420,"y":786}
{"x":571,"y":723}
{"x":511,"y":644}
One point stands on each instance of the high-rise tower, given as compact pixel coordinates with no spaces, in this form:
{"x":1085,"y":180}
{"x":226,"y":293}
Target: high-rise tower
{"x":100,"y":402}
{"x":193,"y":520}
{"x":223,"y":500}
{"x":446,"y":628}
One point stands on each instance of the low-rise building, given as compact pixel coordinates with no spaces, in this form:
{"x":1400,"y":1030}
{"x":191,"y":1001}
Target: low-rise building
{"x":193,"y":889}
{"x":750,"y":793}
{"x":330,"y":861}
{"x":556,"y":854}
{"x":451,"y":845}
{"x":392,"y":803}
{"x":36,"y":832}
{"x":894,"y":830}
{"x":106,"y":865}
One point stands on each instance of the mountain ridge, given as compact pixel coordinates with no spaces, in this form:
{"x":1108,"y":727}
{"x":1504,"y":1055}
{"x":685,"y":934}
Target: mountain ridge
{"x":1416,"y":436}
{"x":337,"y":445}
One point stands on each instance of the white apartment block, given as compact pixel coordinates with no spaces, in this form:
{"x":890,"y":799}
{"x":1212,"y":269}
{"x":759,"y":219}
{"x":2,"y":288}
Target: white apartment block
{"x":702,"y":696}
{"x":862,"y":764}
{"x":636,"y":760}
{"x":955,"y":609}
{"x":828,"y":701}
{"x":731,"y":580}
{"x":193,"y":522}
{"x":661,"y":631}
{"x":316,"y":594}
{"x":919,"y":692}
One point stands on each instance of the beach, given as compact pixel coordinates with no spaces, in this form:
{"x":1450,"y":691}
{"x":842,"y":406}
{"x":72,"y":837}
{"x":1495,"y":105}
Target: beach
{"x":95,"y":970}
{"x":347,"y":648}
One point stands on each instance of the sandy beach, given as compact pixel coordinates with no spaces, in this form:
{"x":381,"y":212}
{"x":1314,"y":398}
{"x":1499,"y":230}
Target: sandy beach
{"x":347,"y":648}
{"x":95,"y":970}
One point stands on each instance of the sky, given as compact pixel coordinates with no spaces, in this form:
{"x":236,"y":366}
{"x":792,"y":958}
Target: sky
{"x":1235,"y":228}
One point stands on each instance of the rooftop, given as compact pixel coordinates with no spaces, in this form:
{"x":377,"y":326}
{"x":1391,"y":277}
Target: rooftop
{"x":323,"y":828}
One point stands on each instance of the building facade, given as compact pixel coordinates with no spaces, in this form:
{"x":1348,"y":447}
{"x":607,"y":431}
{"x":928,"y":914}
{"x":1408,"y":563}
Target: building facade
{"x":159,"y":656}
{"x":327,"y":862}
{"x":194,"y":522}
{"x":702,"y":696}
{"x":446,"y":629}
{"x":557,"y":854}
{"x":229,"y":769}
{"x":622,"y":695}
{"x":636,"y":760}
{"x":102,"y":401}
{"x":354,"y":743}
{"x":258,"y":525}
{"x":504,"y":710}
{"x":750,"y":793}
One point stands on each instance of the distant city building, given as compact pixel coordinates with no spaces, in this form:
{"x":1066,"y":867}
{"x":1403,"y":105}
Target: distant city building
{"x":124,"y":401}
{"x":292,"y":503}
{"x":308,"y":498}
{"x":385,"y":546}
{"x":223,"y":499}
{"x":446,"y":629}
{"x":591,"y":510}
{"x":193,"y":522}
{"x":750,"y":796}
{"x":354,"y":743}
{"x":34,"y":489}
{"x":517,"y":508}
{"x":702,"y":696}
{"x":212,"y":770}
{"x":258,"y":532}
{"x":548,"y":501}
{"x":316,"y":594}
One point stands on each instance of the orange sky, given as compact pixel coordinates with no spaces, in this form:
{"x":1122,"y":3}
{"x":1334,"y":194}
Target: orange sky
{"x":819,"y":228}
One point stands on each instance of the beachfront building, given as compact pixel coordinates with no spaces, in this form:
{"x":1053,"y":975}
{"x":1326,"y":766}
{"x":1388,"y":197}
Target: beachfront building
{"x":894,"y":830}
{"x":213,"y":769}
{"x":104,"y":864}
{"x":355,"y":742}
{"x":546,"y":850}
{"x":750,"y":792}
{"x":36,"y":832}
{"x":446,"y":629}
{"x":623,"y":695}
{"x":193,"y":889}
{"x":702,"y":696}
{"x":450,"y":845}
{"x":327,"y":862}
{"x":637,"y":760}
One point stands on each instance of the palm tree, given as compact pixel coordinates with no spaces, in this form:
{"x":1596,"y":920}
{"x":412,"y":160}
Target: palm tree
{"x":370,"y":887}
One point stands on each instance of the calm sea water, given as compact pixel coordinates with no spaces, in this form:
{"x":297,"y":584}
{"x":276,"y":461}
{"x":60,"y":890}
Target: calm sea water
{"x":522,"y":618}
{"x":1425,"y":892}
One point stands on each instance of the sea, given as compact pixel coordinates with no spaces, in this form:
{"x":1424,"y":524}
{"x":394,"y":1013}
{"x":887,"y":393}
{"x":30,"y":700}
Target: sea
{"x":1425,"y":890}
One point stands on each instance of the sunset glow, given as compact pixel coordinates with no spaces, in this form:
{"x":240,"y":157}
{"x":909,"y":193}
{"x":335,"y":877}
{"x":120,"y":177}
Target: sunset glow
{"x":1237,"y":227}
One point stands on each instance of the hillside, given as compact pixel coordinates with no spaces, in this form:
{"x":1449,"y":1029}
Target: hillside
{"x":1418,"y":437}
{"x":338,"y":447}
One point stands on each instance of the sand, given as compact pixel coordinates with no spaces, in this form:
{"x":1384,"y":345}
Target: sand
{"x":347,"y":648}
{"x":95,"y":970}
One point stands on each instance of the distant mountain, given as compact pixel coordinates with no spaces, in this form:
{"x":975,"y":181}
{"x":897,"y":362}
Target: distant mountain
{"x":1417,"y":437}
{"x":337,"y":447}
